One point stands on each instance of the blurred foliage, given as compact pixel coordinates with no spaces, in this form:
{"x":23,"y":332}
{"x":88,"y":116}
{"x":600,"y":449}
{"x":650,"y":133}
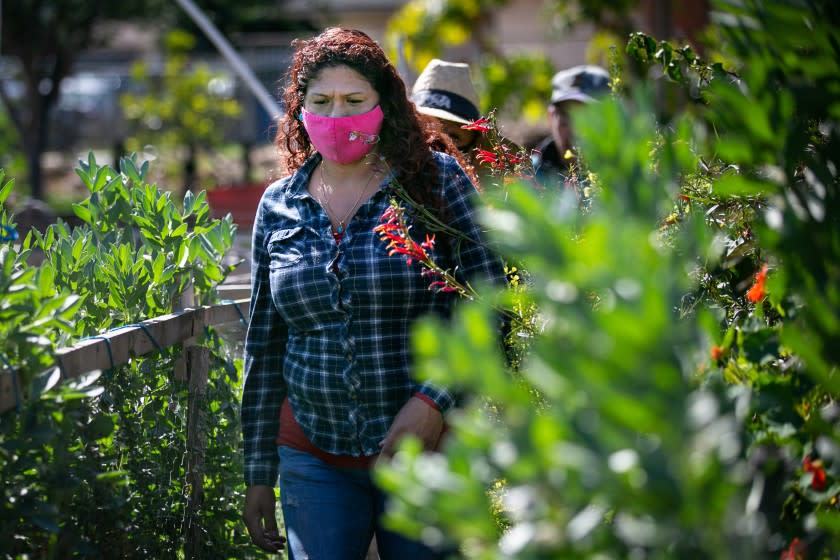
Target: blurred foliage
{"x":11,"y":158}
{"x":47,"y":37}
{"x":96,"y":466}
{"x":514,"y":84}
{"x":679,"y":399}
{"x":186,"y":107}
{"x":613,"y":15}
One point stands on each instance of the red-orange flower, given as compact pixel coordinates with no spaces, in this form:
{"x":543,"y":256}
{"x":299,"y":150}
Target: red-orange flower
{"x":717,"y":353}
{"x":818,"y":479}
{"x":485,"y":156}
{"x":482,"y":125}
{"x":796,"y":550}
{"x":757,"y":292}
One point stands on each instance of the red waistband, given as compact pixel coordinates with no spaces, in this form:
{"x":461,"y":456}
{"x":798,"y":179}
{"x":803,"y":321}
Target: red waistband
{"x":291,"y":435}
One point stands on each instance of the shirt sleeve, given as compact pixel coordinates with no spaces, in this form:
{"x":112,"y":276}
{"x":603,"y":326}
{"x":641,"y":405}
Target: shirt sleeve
{"x":264,"y":388}
{"x":475,"y":262}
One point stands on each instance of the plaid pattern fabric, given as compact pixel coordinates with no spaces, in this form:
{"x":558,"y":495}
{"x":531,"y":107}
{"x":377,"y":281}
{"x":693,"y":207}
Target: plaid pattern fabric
{"x":330,"y":322}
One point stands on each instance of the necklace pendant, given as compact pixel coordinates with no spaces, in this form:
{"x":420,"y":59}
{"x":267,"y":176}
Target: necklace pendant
{"x":339,"y":228}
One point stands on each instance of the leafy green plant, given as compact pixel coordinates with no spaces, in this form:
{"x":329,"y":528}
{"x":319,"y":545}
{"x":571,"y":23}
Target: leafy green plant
{"x":96,"y":466}
{"x":685,"y":365}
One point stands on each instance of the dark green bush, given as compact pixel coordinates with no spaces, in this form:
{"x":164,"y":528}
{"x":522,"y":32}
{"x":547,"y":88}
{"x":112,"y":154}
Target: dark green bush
{"x":688,"y":394}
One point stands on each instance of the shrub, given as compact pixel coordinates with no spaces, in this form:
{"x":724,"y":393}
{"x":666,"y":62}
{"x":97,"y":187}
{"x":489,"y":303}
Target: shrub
{"x":96,"y":466}
{"x":686,"y":369}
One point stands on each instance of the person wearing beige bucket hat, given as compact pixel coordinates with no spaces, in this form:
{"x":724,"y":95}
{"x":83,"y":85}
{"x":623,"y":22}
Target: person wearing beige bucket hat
{"x":445,"y":91}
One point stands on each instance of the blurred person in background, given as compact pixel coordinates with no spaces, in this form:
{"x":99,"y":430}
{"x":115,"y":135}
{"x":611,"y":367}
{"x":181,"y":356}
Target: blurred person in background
{"x":571,"y":88}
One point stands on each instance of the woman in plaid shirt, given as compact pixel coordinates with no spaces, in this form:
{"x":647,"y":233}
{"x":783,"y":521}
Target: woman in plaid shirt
{"x":328,"y":384}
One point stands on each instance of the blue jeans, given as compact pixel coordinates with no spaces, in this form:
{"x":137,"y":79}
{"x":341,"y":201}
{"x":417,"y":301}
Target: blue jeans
{"x":331,"y":513}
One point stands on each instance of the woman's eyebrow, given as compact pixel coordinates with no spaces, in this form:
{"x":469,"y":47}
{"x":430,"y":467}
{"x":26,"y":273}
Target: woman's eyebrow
{"x":340,"y":93}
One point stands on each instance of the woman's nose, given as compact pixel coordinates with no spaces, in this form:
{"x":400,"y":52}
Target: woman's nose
{"x":339,"y":109}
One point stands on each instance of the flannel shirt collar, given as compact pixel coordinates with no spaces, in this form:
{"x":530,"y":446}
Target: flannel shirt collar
{"x":300,"y":178}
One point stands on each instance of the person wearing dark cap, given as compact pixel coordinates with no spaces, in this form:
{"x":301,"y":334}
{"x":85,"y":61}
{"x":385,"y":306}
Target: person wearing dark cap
{"x":570,"y":88}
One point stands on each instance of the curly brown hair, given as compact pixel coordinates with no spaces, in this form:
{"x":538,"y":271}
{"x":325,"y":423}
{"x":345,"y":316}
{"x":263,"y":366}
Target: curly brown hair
{"x":406,"y":139}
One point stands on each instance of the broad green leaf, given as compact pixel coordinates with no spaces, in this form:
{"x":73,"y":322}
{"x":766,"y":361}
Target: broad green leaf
{"x":81,"y":210}
{"x":6,"y":188}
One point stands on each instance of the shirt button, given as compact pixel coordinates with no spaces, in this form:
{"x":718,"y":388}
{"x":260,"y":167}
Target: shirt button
{"x":349,"y":356}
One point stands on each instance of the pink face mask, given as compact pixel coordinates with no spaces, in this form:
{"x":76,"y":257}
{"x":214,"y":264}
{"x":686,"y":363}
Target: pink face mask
{"x":344,"y":139}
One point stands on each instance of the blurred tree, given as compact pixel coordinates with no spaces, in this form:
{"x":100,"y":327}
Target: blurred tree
{"x":423,"y":29}
{"x":185,"y":107}
{"x":48,"y":36}
{"x":520,"y":84}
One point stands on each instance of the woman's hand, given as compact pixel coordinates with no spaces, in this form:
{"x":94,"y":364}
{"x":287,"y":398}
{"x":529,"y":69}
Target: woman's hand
{"x":259,"y":517}
{"x":416,"y":418}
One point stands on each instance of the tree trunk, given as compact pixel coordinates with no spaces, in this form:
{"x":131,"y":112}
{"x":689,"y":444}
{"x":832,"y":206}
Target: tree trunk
{"x":190,"y":167}
{"x":36,"y":144}
{"x":246,"y":162}
{"x":34,"y":124}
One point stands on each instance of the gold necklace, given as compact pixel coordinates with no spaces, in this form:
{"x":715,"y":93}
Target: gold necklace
{"x":343,"y":221}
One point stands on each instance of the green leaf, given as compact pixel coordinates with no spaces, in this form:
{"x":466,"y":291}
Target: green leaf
{"x":81,"y":210}
{"x":46,"y":279}
{"x":119,"y":476}
{"x":70,"y":305}
{"x":86,"y":179}
{"x":738,"y":185}
{"x":90,"y":392}
{"x":77,"y":249}
{"x":130,"y":170}
{"x":157,"y":267}
{"x":6,"y":189}
{"x":103,"y":175}
{"x":809,"y":348}
{"x":829,"y":520}
{"x":179,"y":231}
{"x":43,"y":382}
{"x":189,"y":203}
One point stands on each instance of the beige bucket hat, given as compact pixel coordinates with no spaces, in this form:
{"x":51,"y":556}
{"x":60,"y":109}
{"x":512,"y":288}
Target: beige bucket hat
{"x":445,"y":90}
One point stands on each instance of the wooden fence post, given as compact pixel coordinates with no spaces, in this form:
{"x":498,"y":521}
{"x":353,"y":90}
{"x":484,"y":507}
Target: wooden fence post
{"x":193,"y":366}
{"x":198,"y":367}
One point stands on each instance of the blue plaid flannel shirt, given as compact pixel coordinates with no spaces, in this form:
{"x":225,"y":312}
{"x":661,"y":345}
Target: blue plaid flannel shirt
{"x":329,"y":323}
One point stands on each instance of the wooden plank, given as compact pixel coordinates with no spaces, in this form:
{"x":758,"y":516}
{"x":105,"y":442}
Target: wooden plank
{"x":129,"y":342}
{"x":125,"y":343}
{"x":234,"y":291}
{"x":224,"y":313}
{"x":132,"y":341}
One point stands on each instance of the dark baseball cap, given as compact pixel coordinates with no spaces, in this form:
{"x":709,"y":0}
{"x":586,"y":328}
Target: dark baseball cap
{"x":583,"y":83}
